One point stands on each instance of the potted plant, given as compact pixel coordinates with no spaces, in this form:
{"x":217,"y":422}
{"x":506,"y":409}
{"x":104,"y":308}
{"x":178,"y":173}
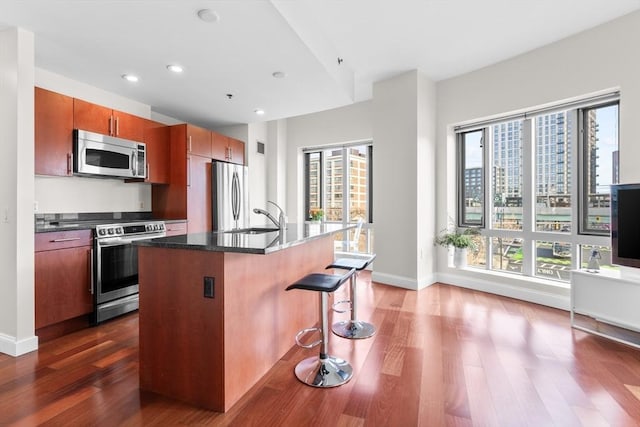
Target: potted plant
{"x":460,"y":240}
{"x":316,"y":214}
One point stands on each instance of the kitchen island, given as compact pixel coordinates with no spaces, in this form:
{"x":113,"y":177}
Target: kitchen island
{"x":214,"y":313}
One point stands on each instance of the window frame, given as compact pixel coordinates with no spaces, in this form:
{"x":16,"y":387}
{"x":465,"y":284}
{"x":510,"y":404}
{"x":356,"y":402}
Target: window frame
{"x":583,"y":187}
{"x":345,"y":166}
{"x":461,"y":182}
{"x":529,"y":235}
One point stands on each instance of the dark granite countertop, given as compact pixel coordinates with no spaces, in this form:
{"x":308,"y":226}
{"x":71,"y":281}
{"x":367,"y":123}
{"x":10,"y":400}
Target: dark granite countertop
{"x":242,"y":242}
{"x":87,"y":221}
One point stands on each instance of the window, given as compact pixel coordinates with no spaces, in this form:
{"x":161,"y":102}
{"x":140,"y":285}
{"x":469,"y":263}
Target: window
{"x":546,"y":187}
{"x":324,"y":178}
{"x":471,"y":182}
{"x":600,"y":166}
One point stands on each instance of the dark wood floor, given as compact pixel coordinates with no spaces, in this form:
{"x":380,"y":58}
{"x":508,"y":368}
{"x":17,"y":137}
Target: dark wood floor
{"x":441,"y":356}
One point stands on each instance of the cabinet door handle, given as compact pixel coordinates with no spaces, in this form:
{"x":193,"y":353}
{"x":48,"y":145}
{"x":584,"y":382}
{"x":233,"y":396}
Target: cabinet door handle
{"x":68,"y":239}
{"x":148,"y":175}
{"x":111,"y":125}
{"x":188,"y":171}
{"x":230,"y":153}
{"x":69,"y":163}
{"x":190,"y":147}
{"x":91,"y":283}
{"x":117,"y":126}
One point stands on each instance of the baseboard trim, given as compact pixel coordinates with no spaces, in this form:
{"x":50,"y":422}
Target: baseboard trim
{"x":401,"y":281}
{"x":13,"y":347}
{"x":549,"y":299}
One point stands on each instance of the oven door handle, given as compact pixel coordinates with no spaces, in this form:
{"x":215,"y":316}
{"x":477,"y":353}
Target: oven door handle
{"x":91,"y":272}
{"x":128,"y":241}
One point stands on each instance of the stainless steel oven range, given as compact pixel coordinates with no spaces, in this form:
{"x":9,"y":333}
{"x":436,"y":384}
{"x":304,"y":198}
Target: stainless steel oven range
{"x":115,"y":267}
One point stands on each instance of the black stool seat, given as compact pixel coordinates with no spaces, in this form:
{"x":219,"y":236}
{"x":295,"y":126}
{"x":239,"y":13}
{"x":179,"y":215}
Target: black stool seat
{"x":353,"y":328}
{"x":321,"y":282}
{"x":348,"y":263}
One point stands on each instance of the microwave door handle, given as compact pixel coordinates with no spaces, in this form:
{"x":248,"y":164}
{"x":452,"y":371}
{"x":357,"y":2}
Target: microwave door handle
{"x":134,"y":163}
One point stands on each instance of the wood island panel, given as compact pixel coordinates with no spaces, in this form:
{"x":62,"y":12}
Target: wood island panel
{"x":210,"y":351}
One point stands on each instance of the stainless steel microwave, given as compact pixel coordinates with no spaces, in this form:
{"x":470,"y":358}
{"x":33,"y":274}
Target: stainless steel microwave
{"x":106,"y":156}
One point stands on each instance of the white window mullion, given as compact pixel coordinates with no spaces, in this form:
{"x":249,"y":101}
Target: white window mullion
{"x":346,"y":187}
{"x":576,"y":177}
{"x":528,"y":198}
{"x":487,"y":207}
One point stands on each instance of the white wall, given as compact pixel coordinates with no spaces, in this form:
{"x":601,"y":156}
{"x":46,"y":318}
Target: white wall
{"x":404,"y":188}
{"x":16,"y":192}
{"x":598,"y":59}
{"x":276,"y":152}
{"x":79,"y":194}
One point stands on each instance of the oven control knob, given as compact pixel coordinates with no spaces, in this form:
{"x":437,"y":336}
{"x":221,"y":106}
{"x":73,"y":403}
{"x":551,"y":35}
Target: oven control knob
{"x":101,"y":232}
{"x":161,"y":226}
{"x":119,"y":230}
{"x":149,"y":227}
{"x":110,"y":231}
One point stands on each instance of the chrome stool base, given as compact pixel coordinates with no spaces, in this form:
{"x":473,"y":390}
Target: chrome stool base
{"x":324,"y":372}
{"x":353,"y":329}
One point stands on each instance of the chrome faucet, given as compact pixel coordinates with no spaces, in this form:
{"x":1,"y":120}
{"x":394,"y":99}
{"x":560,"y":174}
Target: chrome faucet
{"x":281,"y":222}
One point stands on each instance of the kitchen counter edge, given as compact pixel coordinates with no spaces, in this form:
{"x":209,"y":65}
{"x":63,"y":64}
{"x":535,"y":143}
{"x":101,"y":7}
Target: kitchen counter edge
{"x":259,"y":244}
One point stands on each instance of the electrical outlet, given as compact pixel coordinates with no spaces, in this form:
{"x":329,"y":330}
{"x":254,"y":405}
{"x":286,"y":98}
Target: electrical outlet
{"x":141,"y":205}
{"x":209,"y":287}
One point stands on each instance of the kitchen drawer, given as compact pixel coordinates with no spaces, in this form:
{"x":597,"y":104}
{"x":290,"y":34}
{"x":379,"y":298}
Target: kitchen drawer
{"x":175,"y":228}
{"x":63,"y":239}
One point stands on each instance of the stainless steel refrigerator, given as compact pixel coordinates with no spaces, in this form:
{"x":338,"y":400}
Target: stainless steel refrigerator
{"x":230,"y":196}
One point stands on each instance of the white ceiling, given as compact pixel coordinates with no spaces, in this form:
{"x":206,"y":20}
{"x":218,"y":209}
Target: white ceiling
{"x":97,"y":41}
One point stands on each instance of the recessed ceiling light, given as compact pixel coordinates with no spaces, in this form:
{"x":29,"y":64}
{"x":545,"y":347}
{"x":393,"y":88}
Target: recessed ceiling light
{"x":175,"y":68}
{"x":259,"y":111}
{"x":279,"y":74}
{"x":208,"y":15}
{"x":130,"y":77}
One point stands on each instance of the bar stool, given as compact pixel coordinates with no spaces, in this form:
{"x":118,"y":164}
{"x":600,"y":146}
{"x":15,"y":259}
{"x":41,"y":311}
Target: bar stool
{"x":325,"y":370}
{"x":353,"y":328}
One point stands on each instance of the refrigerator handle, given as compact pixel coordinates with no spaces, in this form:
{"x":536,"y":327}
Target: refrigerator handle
{"x":235,"y":199}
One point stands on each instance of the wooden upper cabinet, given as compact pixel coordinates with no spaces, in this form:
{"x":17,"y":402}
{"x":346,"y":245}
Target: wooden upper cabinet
{"x":198,"y":141}
{"x":236,"y":151}
{"x":128,"y":126}
{"x":53,"y":133}
{"x":220,"y":146}
{"x":156,"y":138}
{"x":227,"y":149}
{"x":92,"y":117}
{"x":106,"y":121}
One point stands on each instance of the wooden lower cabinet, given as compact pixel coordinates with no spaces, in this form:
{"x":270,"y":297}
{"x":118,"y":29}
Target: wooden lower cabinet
{"x":209,"y":352}
{"x":62,"y":276}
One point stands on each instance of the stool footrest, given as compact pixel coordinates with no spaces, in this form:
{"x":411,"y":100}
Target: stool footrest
{"x":336,"y":304}
{"x":305,"y":331}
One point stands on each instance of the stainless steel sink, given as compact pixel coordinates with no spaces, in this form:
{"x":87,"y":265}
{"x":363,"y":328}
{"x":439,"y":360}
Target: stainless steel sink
{"x":253,"y":230}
